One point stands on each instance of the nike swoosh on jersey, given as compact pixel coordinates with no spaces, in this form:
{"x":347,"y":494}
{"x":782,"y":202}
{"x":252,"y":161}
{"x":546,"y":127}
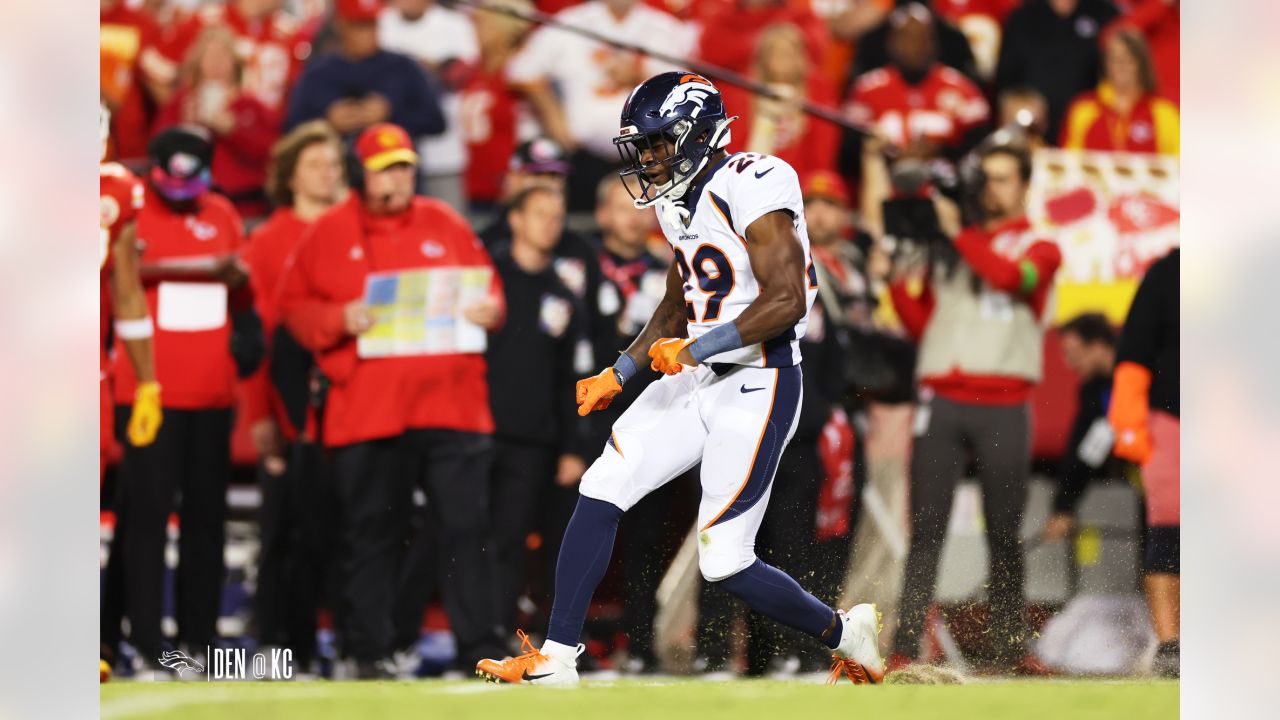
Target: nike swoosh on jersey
{"x":760,"y":174}
{"x":744,"y":389}
{"x":527,"y":677}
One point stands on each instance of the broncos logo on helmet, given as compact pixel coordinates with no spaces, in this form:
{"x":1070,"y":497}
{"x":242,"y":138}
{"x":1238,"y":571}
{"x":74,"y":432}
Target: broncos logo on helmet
{"x":692,"y":89}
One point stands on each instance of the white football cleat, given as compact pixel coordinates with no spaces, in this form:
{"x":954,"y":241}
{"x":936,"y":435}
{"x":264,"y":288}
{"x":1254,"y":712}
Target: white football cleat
{"x":857,"y":657}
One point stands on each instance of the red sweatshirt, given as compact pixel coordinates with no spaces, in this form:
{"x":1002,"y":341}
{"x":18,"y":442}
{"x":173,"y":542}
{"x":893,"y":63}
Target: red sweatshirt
{"x":993,"y":256}
{"x":382,"y":397}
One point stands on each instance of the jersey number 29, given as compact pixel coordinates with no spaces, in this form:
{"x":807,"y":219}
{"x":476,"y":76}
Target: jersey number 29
{"x":713,"y":274}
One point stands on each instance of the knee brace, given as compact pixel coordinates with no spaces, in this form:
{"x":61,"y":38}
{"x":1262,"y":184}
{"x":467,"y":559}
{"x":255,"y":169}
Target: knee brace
{"x":718,"y":563}
{"x":1164,"y":548}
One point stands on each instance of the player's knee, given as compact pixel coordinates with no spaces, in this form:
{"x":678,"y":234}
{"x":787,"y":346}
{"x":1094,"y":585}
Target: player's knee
{"x":720,"y":565}
{"x":608,"y":479}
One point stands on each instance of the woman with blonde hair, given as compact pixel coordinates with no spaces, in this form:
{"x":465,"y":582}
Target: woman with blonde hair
{"x":778,"y":126}
{"x":210,"y":94}
{"x":1125,"y":113}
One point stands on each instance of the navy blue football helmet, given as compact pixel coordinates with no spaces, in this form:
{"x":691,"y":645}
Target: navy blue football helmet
{"x":681,"y":112}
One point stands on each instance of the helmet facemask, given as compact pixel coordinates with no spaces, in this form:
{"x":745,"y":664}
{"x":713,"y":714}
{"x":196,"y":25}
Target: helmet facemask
{"x":691,"y":143}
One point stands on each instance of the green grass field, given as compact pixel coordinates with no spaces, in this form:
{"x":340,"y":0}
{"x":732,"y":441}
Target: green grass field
{"x":624,"y":700}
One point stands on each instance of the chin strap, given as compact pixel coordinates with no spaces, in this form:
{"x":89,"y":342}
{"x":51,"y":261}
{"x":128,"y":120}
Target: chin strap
{"x":672,"y":192}
{"x":673,"y":211}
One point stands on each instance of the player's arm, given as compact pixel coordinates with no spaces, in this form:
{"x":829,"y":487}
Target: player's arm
{"x":669,"y":320}
{"x":134,"y":328}
{"x":777,"y":259}
{"x":129,"y":304}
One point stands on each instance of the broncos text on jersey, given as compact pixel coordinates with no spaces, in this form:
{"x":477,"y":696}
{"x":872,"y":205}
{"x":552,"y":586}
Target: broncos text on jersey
{"x":711,"y":250}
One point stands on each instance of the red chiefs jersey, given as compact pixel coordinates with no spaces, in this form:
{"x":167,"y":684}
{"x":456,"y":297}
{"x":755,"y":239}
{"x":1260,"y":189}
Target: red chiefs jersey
{"x":128,"y":42}
{"x":942,"y":108}
{"x":192,"y":326}
{"x":273,"y":48}
{"x":371,"y":398}
{"x":488,"y":118}
{"x":957,"y":10}
{"x":120,"y":197}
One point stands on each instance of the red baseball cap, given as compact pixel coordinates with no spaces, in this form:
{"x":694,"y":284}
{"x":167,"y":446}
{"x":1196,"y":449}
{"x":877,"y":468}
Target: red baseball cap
{"x":359,"y":10}
{"x":382,"y":145}
{"x":826,"y":184}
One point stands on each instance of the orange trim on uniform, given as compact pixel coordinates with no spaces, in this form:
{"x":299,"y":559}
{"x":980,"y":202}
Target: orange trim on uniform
{"x":613,"y":440}
{"x":754,"y":455}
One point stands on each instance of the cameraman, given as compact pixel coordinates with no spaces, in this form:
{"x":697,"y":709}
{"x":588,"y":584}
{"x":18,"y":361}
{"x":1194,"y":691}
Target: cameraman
{"x":979,"y":323}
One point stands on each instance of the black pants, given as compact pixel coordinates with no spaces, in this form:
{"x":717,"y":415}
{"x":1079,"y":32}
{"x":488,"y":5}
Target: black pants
{"x":523,"y":474}
{"x":785,"y":541}
{"x":295,"y":520}
{"x":186,"y":468}
{"x":999,"y":437}
{"x":379,"y":585}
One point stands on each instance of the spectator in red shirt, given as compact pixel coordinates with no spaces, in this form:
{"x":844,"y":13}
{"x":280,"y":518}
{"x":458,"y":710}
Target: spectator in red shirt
{"x":489,"y":106}
{"x":269,"y":43}
{"x":780,"y":127}
{"x":304,"y":180}
{"x":744,"y":21}
{"x":979,"y":324}
{"x":397,"y":421}
{"x":133,"y":75}
{"x":1125,"y":113}
{"x":206,"y":334}
{"x":922,"y":106}
{"x":210,"y":94}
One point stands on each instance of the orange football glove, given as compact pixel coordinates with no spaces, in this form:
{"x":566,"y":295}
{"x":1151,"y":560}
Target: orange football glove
{"x":595,"y":393}
{"x":1129,"y":410}
{"x":664,"y":351}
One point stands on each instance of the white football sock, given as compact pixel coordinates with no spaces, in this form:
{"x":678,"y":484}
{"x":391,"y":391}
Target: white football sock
{"x":567,"y":654}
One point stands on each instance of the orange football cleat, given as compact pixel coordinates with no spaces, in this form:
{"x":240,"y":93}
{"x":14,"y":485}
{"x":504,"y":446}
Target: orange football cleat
{"x":531,"y":668}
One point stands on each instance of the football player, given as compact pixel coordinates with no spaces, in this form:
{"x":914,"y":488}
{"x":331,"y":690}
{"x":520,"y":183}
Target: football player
{"x":120,"y":197}
{"x":726,"y":337}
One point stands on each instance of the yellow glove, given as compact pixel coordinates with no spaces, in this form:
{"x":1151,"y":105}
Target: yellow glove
{"x":665,"y":353}
{"x":595,"y":393}
{"x":145,"y":420}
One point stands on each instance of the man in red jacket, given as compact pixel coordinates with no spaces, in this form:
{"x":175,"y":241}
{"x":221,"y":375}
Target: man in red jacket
{"x":206,"y":334}
{"x":980,"y":327}
{"x":395,"y":421}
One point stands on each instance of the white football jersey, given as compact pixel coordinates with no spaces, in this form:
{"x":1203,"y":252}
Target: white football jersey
{"x":711,"y":251}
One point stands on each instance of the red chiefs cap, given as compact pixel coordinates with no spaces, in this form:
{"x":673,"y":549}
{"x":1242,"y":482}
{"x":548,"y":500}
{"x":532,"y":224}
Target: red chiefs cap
{"x":825,"y":184}
{"x":359,"y":10}
{"x":382,"y":145}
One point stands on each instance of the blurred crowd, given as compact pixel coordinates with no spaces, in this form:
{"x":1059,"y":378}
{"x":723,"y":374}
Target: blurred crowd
{"x":287,"y":149}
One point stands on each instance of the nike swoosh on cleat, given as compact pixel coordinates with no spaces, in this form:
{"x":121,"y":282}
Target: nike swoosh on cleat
{"x":530,"y":678}
{"x":744,"y":389}
{"x":760,"y":174}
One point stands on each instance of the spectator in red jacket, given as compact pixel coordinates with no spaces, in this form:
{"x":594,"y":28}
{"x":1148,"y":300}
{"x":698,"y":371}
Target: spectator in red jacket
{"x":206,"y":334}
{"x":1125,"y":113}
{"x":979,"y":324}
{"x":209,"y":94}
{"x":304,"y":180}
{"x":400,"y":420}
{"x":779,"y":127}
{"x":745,"y":20}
